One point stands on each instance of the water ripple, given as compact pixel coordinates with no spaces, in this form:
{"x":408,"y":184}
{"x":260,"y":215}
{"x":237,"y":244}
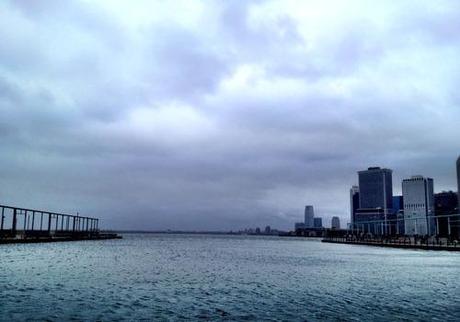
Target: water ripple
{"x":225,"y":278}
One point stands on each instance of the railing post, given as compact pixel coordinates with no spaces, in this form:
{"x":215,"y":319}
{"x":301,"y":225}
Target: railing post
{"x":33,"y":220}
{"x":427,"y":226}
{"x":49,"y":223}
{"x":15,"y":220}
{"x":3,"y":219}
{"x":448,"y":225}
{"x":25,"y":221}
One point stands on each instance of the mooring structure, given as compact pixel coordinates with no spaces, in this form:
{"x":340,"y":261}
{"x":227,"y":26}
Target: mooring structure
{"x":22,"y":224}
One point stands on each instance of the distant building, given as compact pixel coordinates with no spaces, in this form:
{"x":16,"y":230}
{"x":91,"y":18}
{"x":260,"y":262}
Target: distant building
{"x":299,"y":225}
{"x":354,"y":202}
{"x":318,"y":222}
{"x":376,"y":188}
{"x":268,"y":230}
{"x":418,"y":206}
{"x":309,"y":215}
{"x":335,"y":222}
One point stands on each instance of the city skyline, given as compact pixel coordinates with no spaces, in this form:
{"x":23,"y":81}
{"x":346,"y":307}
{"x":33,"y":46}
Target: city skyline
{"x":222,"y":115}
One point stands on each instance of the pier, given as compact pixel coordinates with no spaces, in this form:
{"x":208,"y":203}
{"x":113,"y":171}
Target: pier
{"x":21,"y":225}
{"x":387,"y":233}
{"x":403,"y":242}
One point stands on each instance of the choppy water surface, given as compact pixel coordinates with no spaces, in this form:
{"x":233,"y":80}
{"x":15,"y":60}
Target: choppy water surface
{"x":174,"y":277}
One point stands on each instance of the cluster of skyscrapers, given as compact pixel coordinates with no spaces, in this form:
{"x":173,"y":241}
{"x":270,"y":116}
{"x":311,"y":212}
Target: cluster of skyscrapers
{"x":418,"y":211}
{"x":312,"y":222}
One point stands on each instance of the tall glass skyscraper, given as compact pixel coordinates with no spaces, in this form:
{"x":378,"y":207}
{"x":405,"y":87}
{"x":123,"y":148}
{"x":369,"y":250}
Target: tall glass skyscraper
{"x":376,"y":189}
{"x":309,"y":215}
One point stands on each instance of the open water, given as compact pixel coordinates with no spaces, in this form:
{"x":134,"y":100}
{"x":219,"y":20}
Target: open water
{"x":204,"y":277}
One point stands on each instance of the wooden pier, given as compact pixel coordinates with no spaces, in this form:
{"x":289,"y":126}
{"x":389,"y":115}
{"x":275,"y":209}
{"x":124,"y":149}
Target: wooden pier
{"x":21,"y":225}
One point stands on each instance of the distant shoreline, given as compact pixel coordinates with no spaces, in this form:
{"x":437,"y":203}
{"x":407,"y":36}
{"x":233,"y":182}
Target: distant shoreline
{"x":183,"y":232}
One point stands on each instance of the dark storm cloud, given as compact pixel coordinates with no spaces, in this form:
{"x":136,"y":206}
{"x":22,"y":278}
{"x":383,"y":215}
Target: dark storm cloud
{"x":221,"y":115}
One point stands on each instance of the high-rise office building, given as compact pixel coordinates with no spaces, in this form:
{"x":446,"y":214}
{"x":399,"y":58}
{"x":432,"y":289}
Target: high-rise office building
{"x":318,"y":222}
{"x":335,"y":222}
{"x":418,"y":199}
{"x":309,"y":215}
{"x":375,"y":201}
{"x":354,"y":202}
{"x":376,"y":189}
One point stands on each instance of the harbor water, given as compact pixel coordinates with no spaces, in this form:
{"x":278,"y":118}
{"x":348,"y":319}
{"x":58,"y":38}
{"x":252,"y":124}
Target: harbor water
{"x":218,"y":277}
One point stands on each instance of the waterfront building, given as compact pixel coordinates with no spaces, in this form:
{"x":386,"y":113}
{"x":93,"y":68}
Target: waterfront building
{"x":445,"y":203}
{"x":268,"y":230}
{"x":354,"y":202}
{"x":418,"y":206}
{"x":376,"y":188}
{"x":309,"y":215}
{"x":375,"y":202}
{"x":318,"y":222}
{"x":335,"y":222}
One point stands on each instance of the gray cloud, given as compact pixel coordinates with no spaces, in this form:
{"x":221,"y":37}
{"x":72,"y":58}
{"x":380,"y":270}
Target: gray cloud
{"x":221,"y":115}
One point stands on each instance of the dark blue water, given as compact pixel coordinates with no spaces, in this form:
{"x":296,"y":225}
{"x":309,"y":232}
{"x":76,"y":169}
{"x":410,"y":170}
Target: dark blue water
{"x":182,"y":277}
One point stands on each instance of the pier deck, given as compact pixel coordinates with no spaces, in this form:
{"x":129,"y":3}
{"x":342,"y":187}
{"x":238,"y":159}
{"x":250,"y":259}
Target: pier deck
{"x":394,"y":244}
{"x":57,"y":239}
{"x":21,"y":225}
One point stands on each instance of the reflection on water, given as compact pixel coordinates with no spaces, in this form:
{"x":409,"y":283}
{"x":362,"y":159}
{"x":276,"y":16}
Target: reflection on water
{"x":175,"y":277}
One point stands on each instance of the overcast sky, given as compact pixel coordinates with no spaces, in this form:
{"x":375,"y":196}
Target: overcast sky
{"x":222,"y":114}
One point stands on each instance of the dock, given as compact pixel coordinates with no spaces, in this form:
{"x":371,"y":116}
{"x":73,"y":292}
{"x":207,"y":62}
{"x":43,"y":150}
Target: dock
{"x":21,"y":225}
{"x":405,"y":243}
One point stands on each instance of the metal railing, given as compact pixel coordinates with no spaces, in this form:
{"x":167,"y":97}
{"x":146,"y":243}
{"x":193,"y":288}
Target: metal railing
{"x":22,"y":222}
{"x":426,"y":225}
